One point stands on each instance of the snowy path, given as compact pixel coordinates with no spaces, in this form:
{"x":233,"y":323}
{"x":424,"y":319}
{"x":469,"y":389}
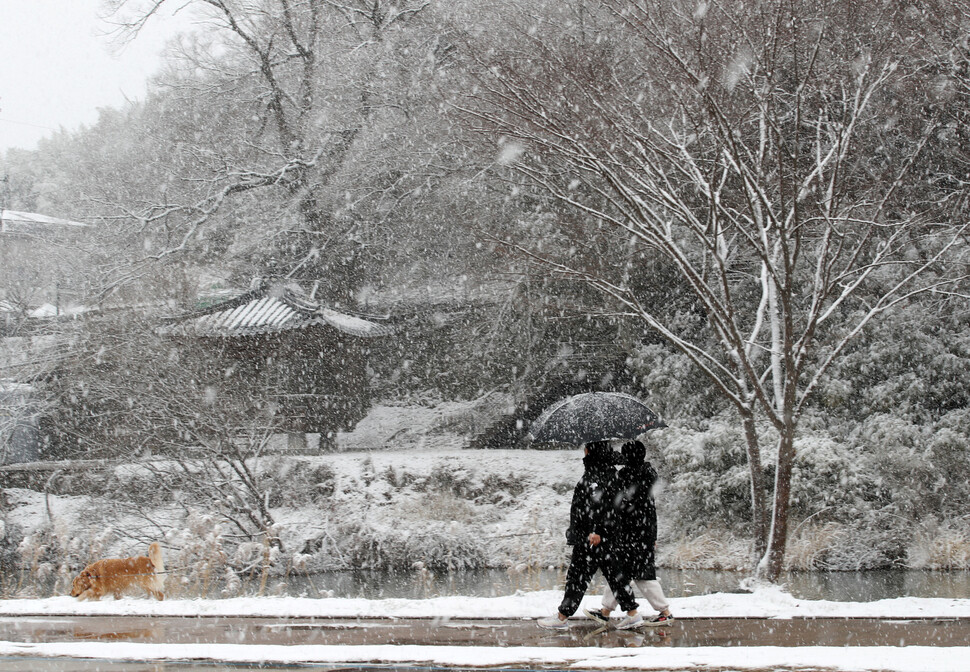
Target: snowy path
{"x":693,"y":632}
{"x":288,"y":631}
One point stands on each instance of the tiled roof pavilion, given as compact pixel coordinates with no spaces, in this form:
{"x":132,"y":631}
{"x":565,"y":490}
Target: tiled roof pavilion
{"x":272,"y":309}
{"x":13,"y":221}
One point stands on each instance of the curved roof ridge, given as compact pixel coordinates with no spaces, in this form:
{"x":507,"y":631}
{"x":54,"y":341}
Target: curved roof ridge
{"x":278,"y":307}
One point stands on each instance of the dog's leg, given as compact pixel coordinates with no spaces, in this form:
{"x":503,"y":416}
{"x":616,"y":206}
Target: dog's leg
{"x":150,"y":585}
{"x":158,"y":563}
{"x":157,"y":583}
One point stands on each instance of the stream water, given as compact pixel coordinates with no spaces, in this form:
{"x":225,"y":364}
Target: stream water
{"x":839,"y":586}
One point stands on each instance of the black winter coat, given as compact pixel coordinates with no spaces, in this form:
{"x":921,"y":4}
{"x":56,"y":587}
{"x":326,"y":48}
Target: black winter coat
{"x":592,"y":507}
{"x":635,"y":511}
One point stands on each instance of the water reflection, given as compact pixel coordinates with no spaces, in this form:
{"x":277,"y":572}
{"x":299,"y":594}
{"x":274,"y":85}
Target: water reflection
{"x":878,"y":585}
{"x":837,"y":586}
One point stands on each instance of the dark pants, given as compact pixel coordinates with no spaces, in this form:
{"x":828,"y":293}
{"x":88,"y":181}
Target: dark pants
{"x":583,"y":564}
{"x":636,"y":561}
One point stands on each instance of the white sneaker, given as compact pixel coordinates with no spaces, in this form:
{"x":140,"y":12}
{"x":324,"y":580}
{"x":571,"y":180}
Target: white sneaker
{"x":630,"y":622}
{"x":552,"y":623}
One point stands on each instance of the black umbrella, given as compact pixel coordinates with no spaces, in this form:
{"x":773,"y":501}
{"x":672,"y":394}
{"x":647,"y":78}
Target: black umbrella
{"x":594,"y":416}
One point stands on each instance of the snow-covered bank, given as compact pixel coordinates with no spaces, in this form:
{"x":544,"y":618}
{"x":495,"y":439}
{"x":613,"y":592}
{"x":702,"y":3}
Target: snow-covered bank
{"x":767,"y":602}
{"x":404,"y":491}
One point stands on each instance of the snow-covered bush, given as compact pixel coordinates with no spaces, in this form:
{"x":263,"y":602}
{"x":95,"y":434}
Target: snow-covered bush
{"x":445,"y":547}
{"x":829,"y":480}
{"x":449,"y":478}
{"x":294,"y":482}
{"x":673,"y":384}
{"x":48,"y":558}
{"x":437,"y":545}
{"x":709,"y":478}
{"x":232,"y":584}
{"x":835,"y":546}
{"x":442,"y":506}
{"x":809,"y":544}
{"x":857,"y":497}
{"x":861,"y":498}
{"x":910,"y":467}
{"x":916,"y":366}
{"x":948,"y":452}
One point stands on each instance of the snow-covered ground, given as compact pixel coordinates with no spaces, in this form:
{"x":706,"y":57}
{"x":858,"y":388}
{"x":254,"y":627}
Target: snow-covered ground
{"x":396,"y":478}
{"x":764,"y":602}
{"x":402,"y":489}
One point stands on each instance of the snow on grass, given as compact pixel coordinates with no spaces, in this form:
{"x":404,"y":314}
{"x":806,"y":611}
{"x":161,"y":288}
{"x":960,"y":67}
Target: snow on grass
{"x":498,"y":508}
{"x":401,"y":482}
{"x":442,"y":425}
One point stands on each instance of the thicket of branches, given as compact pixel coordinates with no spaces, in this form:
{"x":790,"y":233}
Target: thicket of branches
{"x":748,"y":147}
{"x":756,"y":211}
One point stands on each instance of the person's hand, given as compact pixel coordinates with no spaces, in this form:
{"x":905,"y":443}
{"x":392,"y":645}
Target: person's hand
{"x":594,"y":539}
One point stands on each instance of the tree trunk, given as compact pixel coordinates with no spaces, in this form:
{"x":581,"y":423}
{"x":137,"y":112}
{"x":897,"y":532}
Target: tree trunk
{"x":759,"y":508}
{"x":773,"y":562}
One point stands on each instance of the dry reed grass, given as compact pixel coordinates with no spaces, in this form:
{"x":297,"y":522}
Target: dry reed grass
{"x":811,"y":545}
{"x":709,"y":550}
{"x":940,"y":548}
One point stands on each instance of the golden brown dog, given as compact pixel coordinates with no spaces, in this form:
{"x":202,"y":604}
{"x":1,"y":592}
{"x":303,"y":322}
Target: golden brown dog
{"x":116,"y":575}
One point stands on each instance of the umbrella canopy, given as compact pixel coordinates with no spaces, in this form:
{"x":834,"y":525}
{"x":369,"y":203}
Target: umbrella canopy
{"x":594,"y":416}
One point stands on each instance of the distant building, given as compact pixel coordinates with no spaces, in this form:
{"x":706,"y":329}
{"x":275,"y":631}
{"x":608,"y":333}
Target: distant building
{"x":31,"y":223}
{"x":20,"y":439}
{"x":40,"y":264}
{"x":308,"y":359}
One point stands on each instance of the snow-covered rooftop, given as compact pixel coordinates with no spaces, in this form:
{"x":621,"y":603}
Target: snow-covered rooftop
{"x":13,"y":220}
{"x":268,"y":309}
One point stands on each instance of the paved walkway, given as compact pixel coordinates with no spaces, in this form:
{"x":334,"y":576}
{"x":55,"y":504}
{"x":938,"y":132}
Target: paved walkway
{"x":693,"y":632}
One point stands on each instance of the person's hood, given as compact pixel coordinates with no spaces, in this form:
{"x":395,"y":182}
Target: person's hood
{"x":634,"y":452}
{"x":594,"y":462}
{"x":599,"y":455}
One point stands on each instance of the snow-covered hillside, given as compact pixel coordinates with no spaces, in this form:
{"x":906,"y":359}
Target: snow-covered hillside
{"x":401,"y":494}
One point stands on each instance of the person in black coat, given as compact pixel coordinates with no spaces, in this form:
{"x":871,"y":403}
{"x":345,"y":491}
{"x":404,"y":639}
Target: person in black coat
{"x":591,"y":523}
{"x":635,"y":534}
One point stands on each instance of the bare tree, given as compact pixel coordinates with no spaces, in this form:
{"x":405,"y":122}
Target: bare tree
{"x":270,"y":103}
{"x":127,"y":394}
{"x":742,"y":146}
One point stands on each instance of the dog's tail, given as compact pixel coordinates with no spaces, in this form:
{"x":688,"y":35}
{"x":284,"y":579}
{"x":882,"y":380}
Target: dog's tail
{"x":158,"y":563}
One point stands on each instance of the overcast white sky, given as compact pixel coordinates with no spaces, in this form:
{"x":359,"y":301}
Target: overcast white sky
{"x":57,"y":67}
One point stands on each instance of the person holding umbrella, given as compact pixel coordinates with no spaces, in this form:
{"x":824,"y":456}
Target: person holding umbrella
{"x":635,"y":535}
{"x":591,"y":521}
